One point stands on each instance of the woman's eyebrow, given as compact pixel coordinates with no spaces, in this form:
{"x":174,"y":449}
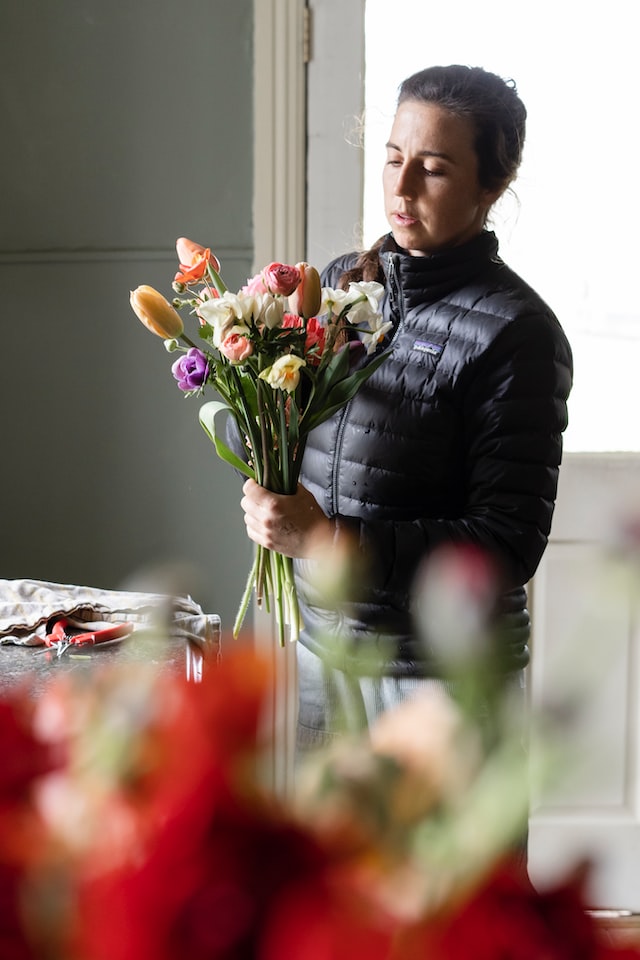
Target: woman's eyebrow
{"x":421,"y":153}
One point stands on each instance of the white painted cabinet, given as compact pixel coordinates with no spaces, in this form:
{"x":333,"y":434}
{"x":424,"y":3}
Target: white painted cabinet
{"x":585,"y":666}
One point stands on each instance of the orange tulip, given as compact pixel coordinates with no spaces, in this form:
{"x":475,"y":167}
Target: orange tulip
{"x":156,"y":312}
{"x":305,"y":299}
{"x":193,"y":259}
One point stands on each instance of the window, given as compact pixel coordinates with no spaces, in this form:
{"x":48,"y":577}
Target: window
{"x":571,"y":228}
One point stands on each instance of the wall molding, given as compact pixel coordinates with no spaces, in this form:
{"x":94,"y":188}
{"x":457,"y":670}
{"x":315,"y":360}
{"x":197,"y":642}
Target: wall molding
{"x":111,"y":256}
{"x":279,"y":194}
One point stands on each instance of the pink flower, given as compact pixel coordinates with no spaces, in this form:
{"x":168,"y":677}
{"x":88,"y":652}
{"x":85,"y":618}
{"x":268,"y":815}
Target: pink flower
{"x":281,"y":279}
{"x":236,"y":347}
{"x":292,"y":321}
{"x":255,"y":286}
{"x":315,"y":341}
{"x":315,"y":338}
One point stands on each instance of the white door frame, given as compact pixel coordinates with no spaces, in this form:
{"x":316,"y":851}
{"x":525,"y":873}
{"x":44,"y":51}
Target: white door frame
{"x":307,"y":205}
{"x":279,"y":215}
{"x":279,"y":110}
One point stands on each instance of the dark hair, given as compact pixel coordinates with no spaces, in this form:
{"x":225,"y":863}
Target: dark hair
{"x":498,"y":116}
{"x":489,"y":102}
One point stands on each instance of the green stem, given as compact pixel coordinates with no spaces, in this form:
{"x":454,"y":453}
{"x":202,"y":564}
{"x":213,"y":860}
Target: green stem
{"x":264,"y":440}
{"x":249,"y":424}
{"x":246,"y":597}
{"x":260,"y":574}
{"x":281,"y":608}
{"x":284,"y":445}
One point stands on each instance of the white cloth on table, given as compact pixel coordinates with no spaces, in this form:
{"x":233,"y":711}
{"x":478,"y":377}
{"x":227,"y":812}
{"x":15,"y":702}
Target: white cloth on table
{"x":27,"y":606}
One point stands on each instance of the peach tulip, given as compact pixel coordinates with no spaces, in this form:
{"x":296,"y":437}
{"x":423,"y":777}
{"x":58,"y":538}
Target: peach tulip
{"x":193,"y":259}
{"x":305,"y":299}
{"x":156,"y":312}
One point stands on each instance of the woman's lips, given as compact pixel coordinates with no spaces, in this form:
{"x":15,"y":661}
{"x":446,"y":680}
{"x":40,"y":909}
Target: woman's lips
{"x":403,"y":220}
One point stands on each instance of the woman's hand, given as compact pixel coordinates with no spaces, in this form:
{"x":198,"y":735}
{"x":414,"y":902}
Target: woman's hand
{"x":289,"y":524}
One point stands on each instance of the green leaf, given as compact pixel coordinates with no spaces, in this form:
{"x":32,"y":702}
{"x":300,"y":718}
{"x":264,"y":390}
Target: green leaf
{"x":338,"y":395}
{"x":207,"y":417}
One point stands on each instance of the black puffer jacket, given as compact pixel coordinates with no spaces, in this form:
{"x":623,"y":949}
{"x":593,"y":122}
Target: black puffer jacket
{"x":455,"y":438}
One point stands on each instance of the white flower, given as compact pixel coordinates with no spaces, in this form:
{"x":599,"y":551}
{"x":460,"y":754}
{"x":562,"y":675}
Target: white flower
{"x":270,"y":310}
{"x":378,"y":329}
{"x":221,"y":313}
{"x":284,"y":374}
{"x":369,"y":290}
{"x":333,"y":301}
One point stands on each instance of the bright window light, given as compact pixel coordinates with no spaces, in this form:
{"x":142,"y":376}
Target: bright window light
{"x":571,"y":228}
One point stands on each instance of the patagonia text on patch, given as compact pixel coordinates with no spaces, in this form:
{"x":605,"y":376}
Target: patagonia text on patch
{"x":427,"y":346}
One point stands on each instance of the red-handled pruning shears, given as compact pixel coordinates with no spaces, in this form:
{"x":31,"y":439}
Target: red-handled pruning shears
{"x":64,"y":634}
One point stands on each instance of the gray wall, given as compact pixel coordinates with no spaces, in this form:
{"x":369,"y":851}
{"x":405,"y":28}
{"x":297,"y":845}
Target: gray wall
{"x":123,"y":126}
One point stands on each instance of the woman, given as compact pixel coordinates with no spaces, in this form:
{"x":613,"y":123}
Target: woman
{"x":456,"y":438}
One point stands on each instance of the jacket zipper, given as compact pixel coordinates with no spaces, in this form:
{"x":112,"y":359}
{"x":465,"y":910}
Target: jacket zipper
{"x":397,"y":307}
{"x":397,"y":304}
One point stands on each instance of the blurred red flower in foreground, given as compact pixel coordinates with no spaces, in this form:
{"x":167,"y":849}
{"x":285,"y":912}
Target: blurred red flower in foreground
{"x":156,"y":840}
{"x":225,"y":872}
{"x":508,"y":919}
{"x":25,"y":759}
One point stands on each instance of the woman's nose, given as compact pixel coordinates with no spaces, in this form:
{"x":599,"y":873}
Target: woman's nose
{"x":404,"y":184}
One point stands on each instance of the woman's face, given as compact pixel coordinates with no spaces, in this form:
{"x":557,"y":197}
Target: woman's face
{"x":432,"y":196}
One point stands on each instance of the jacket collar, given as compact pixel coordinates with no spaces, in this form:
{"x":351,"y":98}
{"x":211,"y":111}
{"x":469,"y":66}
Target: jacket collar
{"x":426,"y":279}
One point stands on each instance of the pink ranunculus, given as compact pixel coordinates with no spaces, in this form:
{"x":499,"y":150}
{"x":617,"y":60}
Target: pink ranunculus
{"x":281,"y":278}
{"x":255,"y":286}
{"x":236,"y":347}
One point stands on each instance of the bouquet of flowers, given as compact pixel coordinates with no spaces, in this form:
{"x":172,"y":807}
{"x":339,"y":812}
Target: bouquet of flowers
{"x":283,"y":354}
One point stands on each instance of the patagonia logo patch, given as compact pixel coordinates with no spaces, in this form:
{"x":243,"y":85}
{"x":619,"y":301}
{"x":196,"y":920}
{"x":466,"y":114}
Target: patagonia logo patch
{"x":427,"y":346}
